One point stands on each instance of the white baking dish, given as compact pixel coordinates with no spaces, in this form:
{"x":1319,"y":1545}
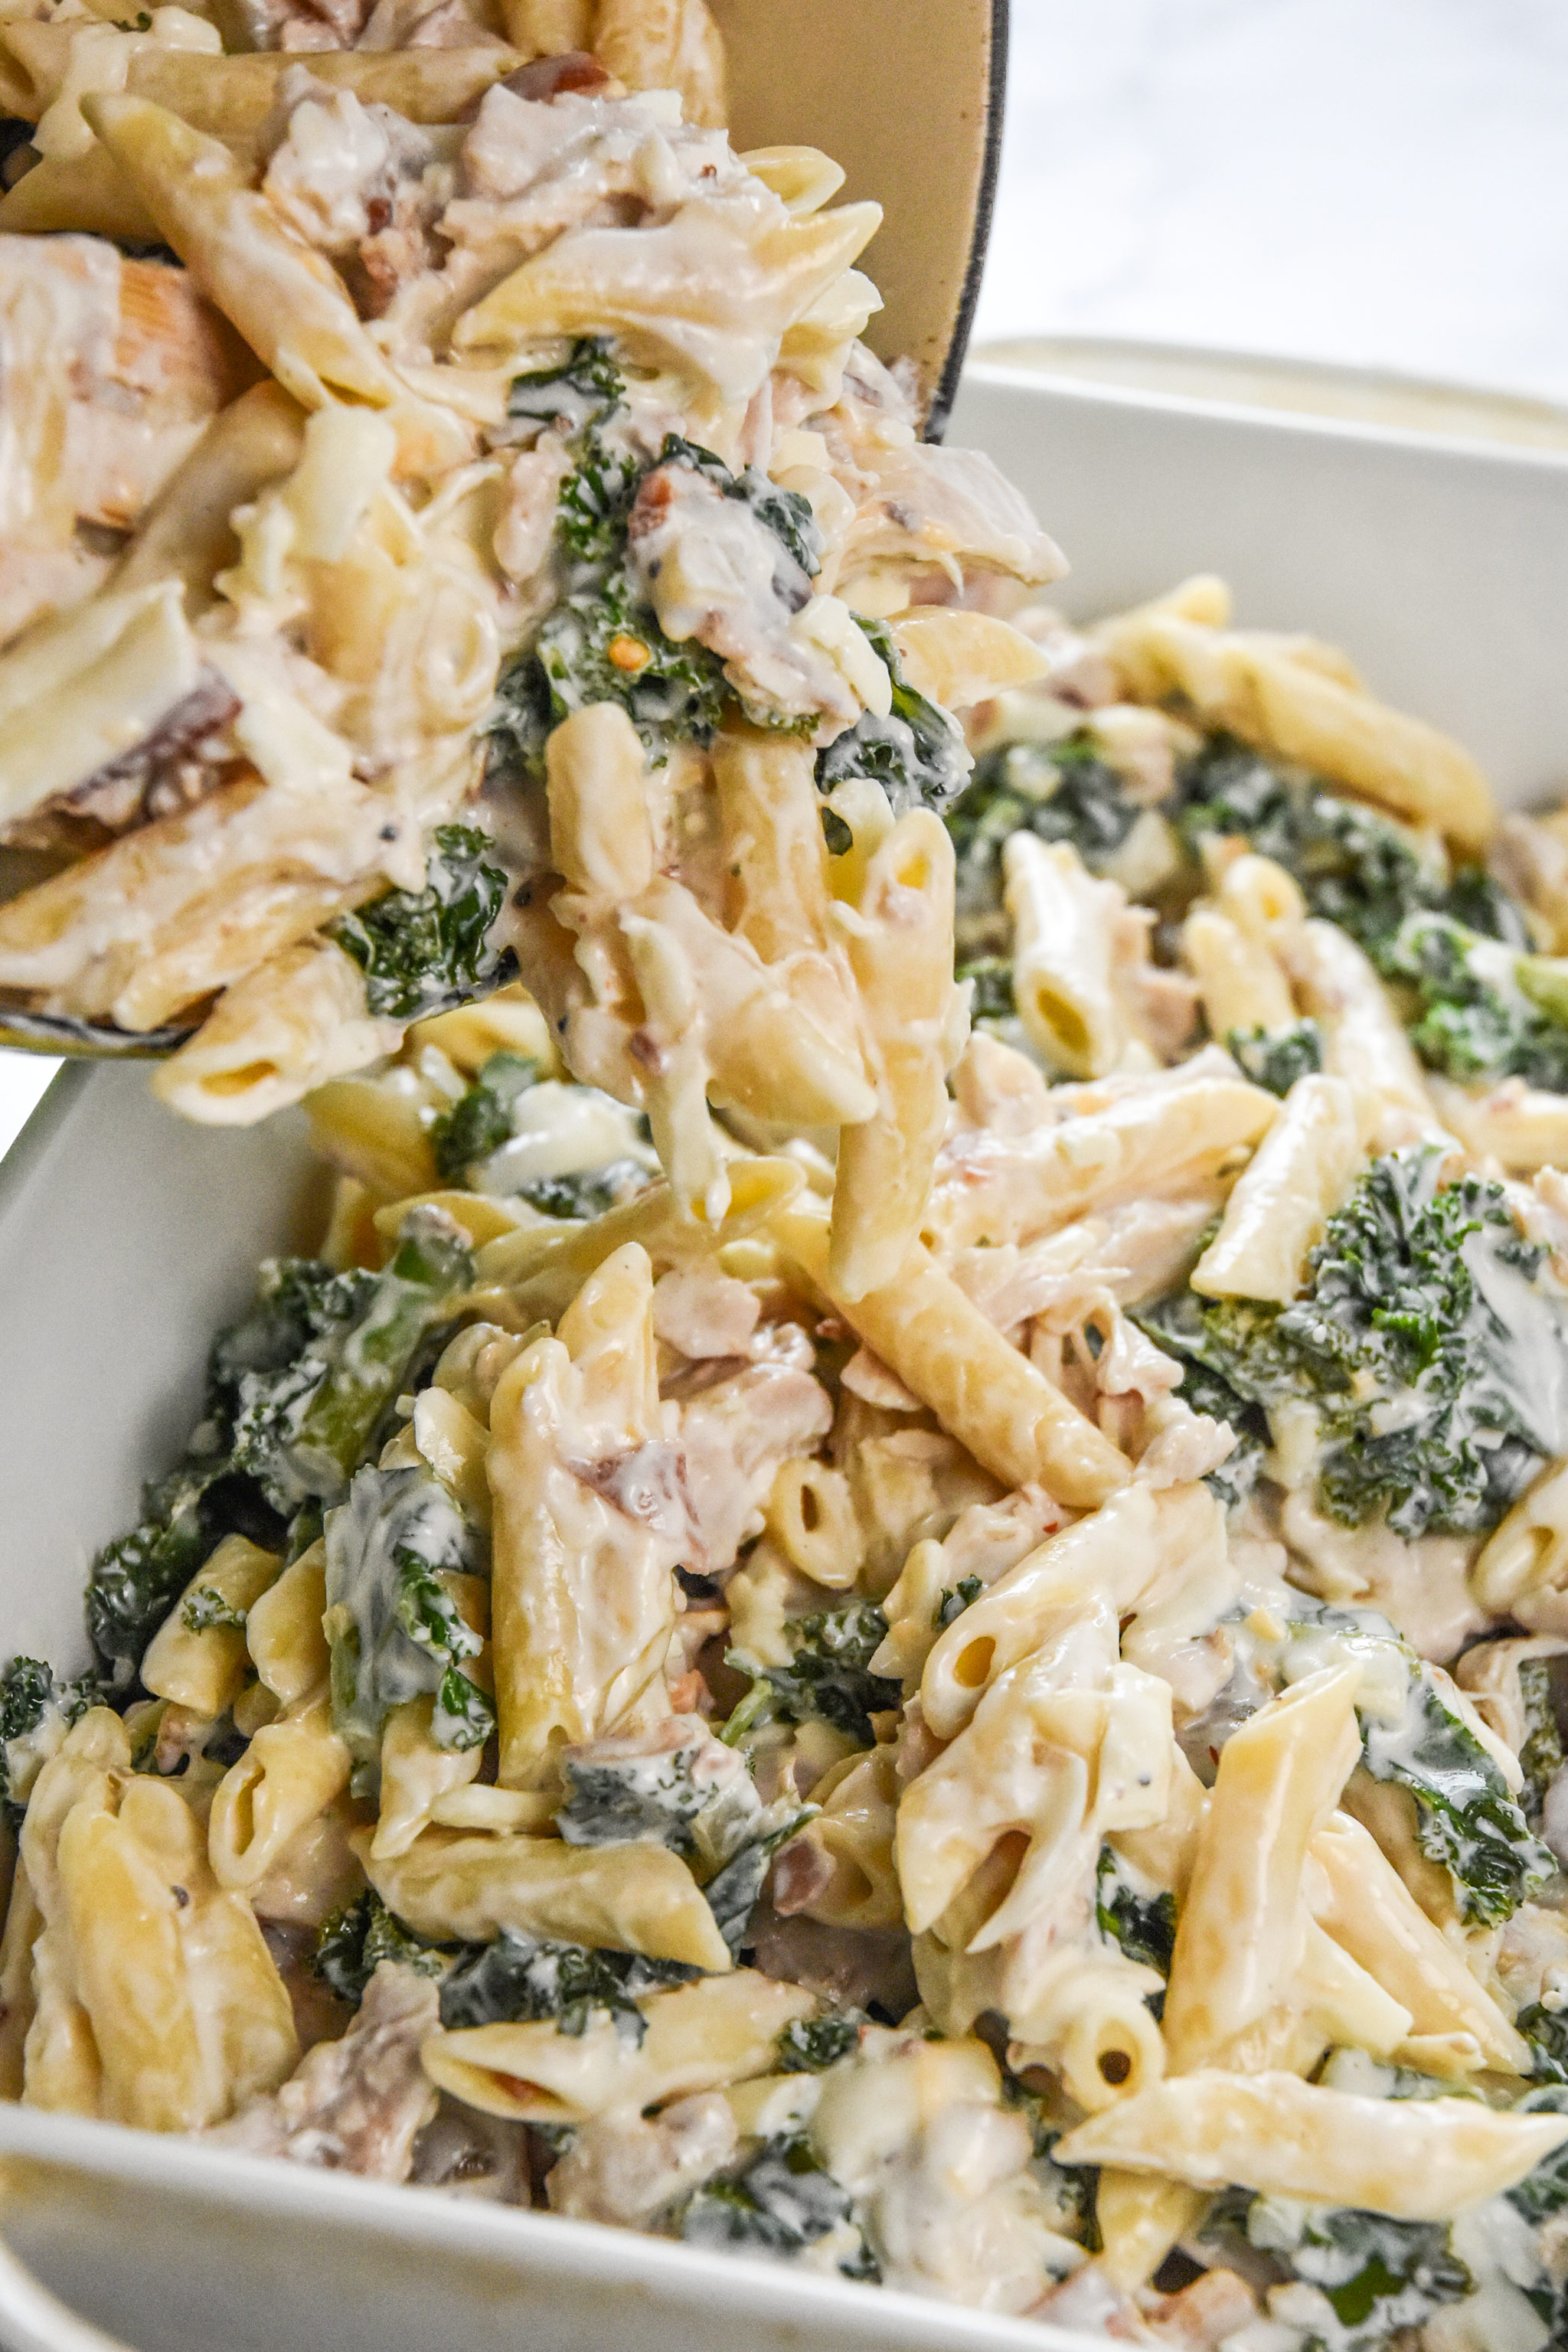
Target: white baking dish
{"x":124,"y":1238}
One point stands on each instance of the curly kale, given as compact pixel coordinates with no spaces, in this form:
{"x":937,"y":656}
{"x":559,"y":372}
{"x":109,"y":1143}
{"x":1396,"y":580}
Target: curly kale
{"x":301,"y":1384}
{"x":206,"y":1607}
{"x":917,"y":753}
{"x":1176,"y":1324}
{"x":808,"y":2045}
{"x":1466,"y":1819}
{"x":36,"y":1713}
{"x":523,"y":1977}
{"x":583,"y":390}
{"x":424,"y":951}
{"x":1546,"y":2031}
{"x":1377,"y":2275}
{"x":783,"y":512}
{"x":1356,"y":867}
{"x":1428,"y":1340}
{"x":784,"y":2200}
{"x":394,"y":1626}
{"x":674,"y":1797}
{"x":1541,"y":1757}
{"x":479,"y":1121}
{"x":353,"y":1941}
{"x":827,"y":1679}
{"x":136,"y":1580}
{"x":992,"y":976}
{"x":1276,"y":1058}
{"x":952,"y":1603}
{"x":588,"y":1193}
{"x":603,"y":644}
{"x":1475,"y":1014}
{"x":1140,"y":1924}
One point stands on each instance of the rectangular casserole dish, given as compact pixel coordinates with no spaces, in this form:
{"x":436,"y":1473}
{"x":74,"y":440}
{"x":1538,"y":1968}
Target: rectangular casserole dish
{"x":1441,"y":567}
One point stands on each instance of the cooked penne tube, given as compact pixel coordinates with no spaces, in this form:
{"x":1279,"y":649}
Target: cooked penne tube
{"x":724,"y":2029}
{"x":988,"y":1396}
{"x":1415,"y":2161}
{"x":1300,"y":1173}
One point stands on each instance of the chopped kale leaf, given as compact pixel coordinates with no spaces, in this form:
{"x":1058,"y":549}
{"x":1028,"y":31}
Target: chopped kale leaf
{"x":955,"y":1601}
{"x":479,"y":1121}
{"x":206,"y":1607}
{"x":395,"y":1628}
{"x":36,"y":1713}
{"x":523,"y":1977}
{"x":303,"y":1382}
{"x":352,"y":1942}
{"x":809,"y":2044}
{"x":1465,"y":1818}
{"x":1546,"y":2031}
{"x":588,"y":1193}
{"x":784,"y":2199}
{"x":829,"y":1678}
{"x":917,"y":753}
{"x":1276,"y":1058}
{"x":1140,"y":1924}
{"x":136,"y":1580}
{"x":783,"y":512}
{"x":1430,"y":1341}
{"x":424,"y":951}
{"x":992,"y":976}
{"x":1540,"y":1758}
{"x":583,"y":390}
{"x":1061,"y":791}
{"x":1544,"y":2191}
{"x":1378,"y":2275}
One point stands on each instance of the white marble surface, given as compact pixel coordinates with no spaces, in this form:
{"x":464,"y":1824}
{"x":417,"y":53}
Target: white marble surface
{"x":1377,"y":182}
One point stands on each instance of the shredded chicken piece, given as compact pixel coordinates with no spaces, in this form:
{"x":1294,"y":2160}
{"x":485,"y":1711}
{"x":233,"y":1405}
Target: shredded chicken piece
{"x":735,"y":1434}
{"x":623,"y":2168}
{"x":353,"y":2106}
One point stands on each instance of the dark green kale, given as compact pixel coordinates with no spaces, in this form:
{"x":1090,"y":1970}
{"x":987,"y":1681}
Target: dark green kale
{"x":917,"y":753}
{"x":353,"y":1941}
{"x":582,"y":392}
{"x":1276,"y":1058}
{"x":784,"y":2200}
{"x":1544,"y":2191}
{"x":1378,"y":2275}
{"x":1546,"y":2031}
{"x":1176,"y":1325}
{"x":303,"y":1382}
{"x":955,"y":1601}
{"x":827,"y":1679}
{"x":588,"y":1193}
{"x":1428,"y":1340}
{"x":479,"y":1121}
{"x":840,"y":840}
{"x":394,"y":1628}
{"x":1061,"y":791}
{"x":523,"y":1977}
{"x":992,"y":976}
{"x":810,"y":2044}
{"x":1474,"y":1015}
{"x":1355,"y":867}
{"x":783,"y":512}
{"x":733,"y":1892}
{"x":603,"y":644}
{"x":32,"y":1703}
{"x":1466,"y":1819}
{"x":1141,"y":1925}
{"x":424,"y":951}
{"x":206,"y":1607}
{"x":713,"y":1818}
{"x":136,"y":1580}
{"x":1540,"y":1758}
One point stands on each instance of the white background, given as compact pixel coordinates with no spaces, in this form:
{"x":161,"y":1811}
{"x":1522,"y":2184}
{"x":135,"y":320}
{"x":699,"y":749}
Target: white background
{"x":1378,"y":182}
